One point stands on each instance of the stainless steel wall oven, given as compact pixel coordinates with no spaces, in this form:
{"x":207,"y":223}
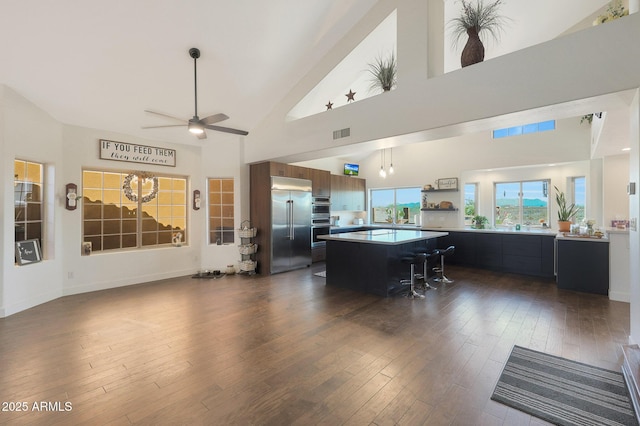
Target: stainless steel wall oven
{"x":320,"y":220}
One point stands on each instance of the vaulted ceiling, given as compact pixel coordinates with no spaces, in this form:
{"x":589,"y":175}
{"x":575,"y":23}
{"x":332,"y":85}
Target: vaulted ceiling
{"x":100,"y":64}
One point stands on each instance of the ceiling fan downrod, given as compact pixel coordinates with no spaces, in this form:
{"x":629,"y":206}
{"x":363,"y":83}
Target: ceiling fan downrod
{"x":195,"y":54}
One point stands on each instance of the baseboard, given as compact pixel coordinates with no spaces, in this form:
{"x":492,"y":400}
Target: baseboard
{"x":106,"y":285}
{"x":631,"y":372}
{"x":619,"y":296}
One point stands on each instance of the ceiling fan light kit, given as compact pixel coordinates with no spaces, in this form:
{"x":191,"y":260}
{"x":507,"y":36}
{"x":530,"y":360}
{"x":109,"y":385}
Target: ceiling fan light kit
{"x":196,"y":125}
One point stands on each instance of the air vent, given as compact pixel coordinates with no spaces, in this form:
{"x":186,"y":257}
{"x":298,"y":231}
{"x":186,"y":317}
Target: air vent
{"x":342,"y":133}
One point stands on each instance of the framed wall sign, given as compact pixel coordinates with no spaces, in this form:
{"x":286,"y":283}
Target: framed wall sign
{"x":28,"y":251}
{"x":448,"y":183}
{"x":133,"y":153}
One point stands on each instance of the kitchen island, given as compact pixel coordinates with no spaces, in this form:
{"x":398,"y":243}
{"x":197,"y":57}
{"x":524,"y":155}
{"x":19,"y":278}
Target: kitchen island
{"x":370,"y":261}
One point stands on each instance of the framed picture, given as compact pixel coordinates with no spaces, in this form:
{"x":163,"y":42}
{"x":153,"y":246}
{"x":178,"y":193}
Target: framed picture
{"x":448,"y":183}
{"x":28,"y":251}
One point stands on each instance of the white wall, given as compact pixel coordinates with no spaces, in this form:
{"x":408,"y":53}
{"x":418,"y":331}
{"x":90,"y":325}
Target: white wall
{"x":28,"y":133}
{"x":542,"y":78}
{"x":615,"y":200}
{"x":478,"y":158}
{"x":558,"y":174}
{"x":222,"y":159}
{"x":634,"y":213}
{"x":113,"y":269}
{"x":31,"y":134}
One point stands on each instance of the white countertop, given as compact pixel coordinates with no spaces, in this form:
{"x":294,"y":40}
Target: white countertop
{"x":383,"y":236}
{"x":505,"y":230}
{"x":617,"y":231}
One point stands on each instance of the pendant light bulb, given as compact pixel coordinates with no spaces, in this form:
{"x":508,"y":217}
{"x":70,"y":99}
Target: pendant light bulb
{"x":382,"y":173}
{"x":391,"y":163}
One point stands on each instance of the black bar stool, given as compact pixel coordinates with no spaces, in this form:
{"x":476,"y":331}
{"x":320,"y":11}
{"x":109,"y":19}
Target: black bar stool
{"x":413,"y":260}
{"x":425,"y":276}
{"x":440,"y":270}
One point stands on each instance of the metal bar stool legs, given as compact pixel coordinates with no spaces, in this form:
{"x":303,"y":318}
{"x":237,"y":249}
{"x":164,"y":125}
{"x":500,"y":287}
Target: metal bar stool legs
{"x":413,"y":261}
{"x":425,"y":275}
{"x":440,"y":271}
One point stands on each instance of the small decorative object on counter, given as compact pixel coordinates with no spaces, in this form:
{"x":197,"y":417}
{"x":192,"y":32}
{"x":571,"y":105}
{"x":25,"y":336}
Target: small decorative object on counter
{"x":566,"y":211}
{"x":230,"y":269}
{"x":425,"y":201}
{"x":447,"y":205}
{"x":590,"y":224}
{"x":480,"y":221}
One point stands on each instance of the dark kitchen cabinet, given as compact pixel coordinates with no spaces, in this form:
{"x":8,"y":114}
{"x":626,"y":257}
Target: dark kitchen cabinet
{"x":524,"y":254}
{"x":489,"y":251}
{"x":583,"y":265}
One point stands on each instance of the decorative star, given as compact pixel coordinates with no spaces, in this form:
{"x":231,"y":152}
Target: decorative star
{"x":350,"y":95}
{"x":329,"y":105}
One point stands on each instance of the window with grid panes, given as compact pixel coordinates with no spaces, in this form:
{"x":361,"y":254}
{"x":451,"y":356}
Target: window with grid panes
{"x":28,"y":200}
{"x":221,"y":211}
{"x":125,"y":211}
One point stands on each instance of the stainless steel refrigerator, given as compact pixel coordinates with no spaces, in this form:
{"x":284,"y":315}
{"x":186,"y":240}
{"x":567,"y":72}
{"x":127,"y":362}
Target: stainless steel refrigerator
{"x":291,"y":223}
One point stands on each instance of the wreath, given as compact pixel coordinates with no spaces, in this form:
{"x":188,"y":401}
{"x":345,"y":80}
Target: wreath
{"x":128,"y":191}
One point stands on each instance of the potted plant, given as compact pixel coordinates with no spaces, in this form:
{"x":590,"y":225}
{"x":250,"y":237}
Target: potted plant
{"x":475,"y":20}
{"x":383,"y":73}
{"x":480,"y":221}
{"x":565,"y":212}
{"x":615,"y":10}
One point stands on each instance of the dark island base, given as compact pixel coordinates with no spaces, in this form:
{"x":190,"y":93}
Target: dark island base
{"x":372,"y":268}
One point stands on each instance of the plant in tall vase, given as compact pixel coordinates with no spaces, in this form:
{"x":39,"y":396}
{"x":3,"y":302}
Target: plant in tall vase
{"x":475,"y":21}
{"x":565,"y":211}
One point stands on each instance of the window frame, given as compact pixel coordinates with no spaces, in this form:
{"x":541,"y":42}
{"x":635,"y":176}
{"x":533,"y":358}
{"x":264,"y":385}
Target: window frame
{"x":468,"y":218}
{"x":524,"y":129}
{"x":227,"y":211}
{"x":29,"y":204}
{"x":394,"y":208}
{"x":170,"y":203}
{"x":520,"y":219}
{"x":572,"y":194}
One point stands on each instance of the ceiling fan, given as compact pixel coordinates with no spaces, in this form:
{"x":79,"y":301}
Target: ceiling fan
{"x":197,"y":125}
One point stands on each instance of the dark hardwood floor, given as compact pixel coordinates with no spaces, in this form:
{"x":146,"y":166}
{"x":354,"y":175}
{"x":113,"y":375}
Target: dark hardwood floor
{"x":286,"y":349}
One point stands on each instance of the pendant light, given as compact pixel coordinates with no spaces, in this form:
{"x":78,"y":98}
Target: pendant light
{"x":391,"y":164}
{"x":382,"y":173}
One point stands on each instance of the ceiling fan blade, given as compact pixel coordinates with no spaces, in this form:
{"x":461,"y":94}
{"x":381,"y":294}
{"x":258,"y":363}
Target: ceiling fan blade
{"x":166,"y":125}
{"x":215,"y":118}
{"x":165,"y":115}
{"x":202,"y":135}
{"x":227,"y":130}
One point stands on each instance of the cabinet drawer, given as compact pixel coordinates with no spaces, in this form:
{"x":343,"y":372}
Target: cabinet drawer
{"x":527,"y":265}
{"x":522,"y":245}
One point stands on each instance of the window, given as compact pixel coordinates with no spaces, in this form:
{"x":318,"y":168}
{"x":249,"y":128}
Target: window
{"x":395,"y":205}
{"x":221,"y":211}
{"x":27,"y":200}
{"x":524,"y":129}
{"x":525,"y":203}
{"x":470,"y":201}
{"x":579,"y":196}
{"x":124,"y":210}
